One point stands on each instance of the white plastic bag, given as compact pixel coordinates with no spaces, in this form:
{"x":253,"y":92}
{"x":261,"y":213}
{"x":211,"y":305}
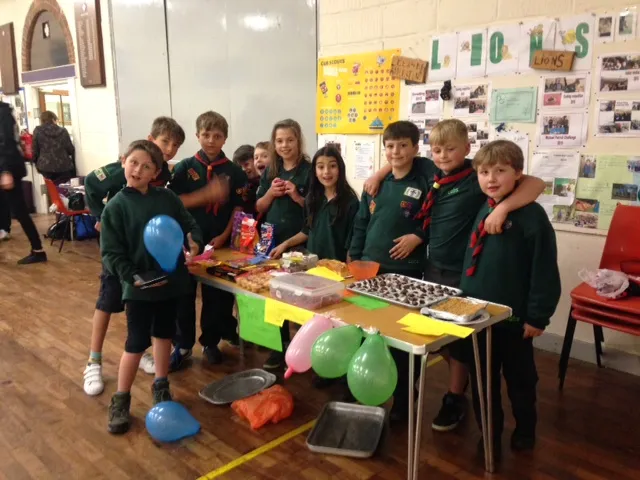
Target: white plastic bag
{"x":608,"y":283}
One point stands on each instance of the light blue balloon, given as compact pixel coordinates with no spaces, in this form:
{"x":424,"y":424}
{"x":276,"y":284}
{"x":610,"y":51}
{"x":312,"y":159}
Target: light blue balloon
{"x":170,"y":422}
{"x":164,"y":240}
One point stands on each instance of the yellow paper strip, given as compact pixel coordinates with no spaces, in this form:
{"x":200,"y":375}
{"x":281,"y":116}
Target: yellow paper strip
{"x":422,"y":325}
{"x":276,"y":313}
{"x":324,"y":272}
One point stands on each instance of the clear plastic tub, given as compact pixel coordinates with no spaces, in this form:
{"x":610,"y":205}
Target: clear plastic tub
{"x":306,"y":291}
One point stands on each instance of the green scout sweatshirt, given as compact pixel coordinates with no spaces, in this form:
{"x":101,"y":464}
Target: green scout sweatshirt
{"x":330,"y":237}
{"x":190,"y":175}
{"x":284,"y":213}
{"x":391,"y":214}
{"x":518,"y":268}
{"x":103,"y":183}
{"x":123,"y":251}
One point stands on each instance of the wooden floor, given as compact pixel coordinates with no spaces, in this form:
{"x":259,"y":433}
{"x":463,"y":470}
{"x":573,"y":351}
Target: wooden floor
{"x":50,"y":429}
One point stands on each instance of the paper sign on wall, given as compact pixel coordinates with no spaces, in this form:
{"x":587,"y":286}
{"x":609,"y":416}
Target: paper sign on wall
{"x":605,"y":25}
{"x":425,"y":100}
{"x":412,"y":69}
{"x":534,"y":36}
{"x":479,"y":134}
{"x":626,"y":25}
{"x":520,"y":139}
{"x":444,"y":52}
{"x":619,"y":118}
{"x":565,"y":91}
{"x":502,"y":58}
{"x":576,"y":34}
{"x":619,"y":73}
{"x":514,"y":105}
{"x":364,"y":153}
{"x":470,"y":100}
{"x":337,"y":141}
{"x":472,"y":54}
{"x":562,"y":130}
{"x":559,"y":171}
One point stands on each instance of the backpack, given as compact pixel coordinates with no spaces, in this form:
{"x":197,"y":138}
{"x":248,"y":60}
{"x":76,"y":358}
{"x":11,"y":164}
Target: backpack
{"x":59,"y":230}
{"x":85,"y":227}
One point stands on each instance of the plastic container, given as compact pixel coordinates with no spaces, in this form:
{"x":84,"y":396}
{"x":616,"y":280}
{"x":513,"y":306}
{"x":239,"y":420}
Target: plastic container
{"x":306,"y":291}
{"x":363,"y":270}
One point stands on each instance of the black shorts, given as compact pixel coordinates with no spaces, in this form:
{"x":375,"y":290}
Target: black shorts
{"x":448,"y":278}
{"x":149,"y":319}
{"x":110,"y":295}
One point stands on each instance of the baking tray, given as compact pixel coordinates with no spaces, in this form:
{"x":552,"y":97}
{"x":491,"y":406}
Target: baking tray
{"x":347,"y":429}
{"x":354,"y":288}
{"x":237,"y":386}
{"x":433,"y":310}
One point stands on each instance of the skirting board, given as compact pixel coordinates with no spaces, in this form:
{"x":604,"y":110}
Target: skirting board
{"x":614,"y":359}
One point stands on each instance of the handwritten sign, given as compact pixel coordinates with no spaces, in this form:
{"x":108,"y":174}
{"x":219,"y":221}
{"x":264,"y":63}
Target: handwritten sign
{"x":514,"y":105}
{"x":556,"y":60}
{"x":412,"y":69}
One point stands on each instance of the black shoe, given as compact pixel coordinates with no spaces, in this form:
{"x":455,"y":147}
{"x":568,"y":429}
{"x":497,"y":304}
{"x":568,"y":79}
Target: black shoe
{"x":213,"y":355}
{"x":521,"y":441}
{"x":232,"y":339}
{"x":160,"y":391}
{"x":119,"y":417}
{"x":453,"y":410}
{"x":497,"y":450}
{"x":275,"y":360}
{"x":33,"y":257}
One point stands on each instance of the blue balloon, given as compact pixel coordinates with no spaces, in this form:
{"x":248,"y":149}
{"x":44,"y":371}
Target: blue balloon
{"x":164,"y":239}
{"x":170,"y":422}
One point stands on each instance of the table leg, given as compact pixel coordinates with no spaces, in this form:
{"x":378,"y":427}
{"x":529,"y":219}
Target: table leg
{"x":423,"y":377}
{"x":489,"y":331}
{"x":481,"y":399}
{"x":412,"y":419}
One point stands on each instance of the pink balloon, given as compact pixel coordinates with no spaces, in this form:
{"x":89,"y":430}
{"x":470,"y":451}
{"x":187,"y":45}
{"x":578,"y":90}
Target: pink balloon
{"x":298,"y":356}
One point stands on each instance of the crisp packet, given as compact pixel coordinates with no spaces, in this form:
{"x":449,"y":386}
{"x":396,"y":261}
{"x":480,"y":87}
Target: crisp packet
{"x":267,"y":239}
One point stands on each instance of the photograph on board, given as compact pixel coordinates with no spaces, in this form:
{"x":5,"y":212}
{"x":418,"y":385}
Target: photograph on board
{"x":587,"y":205}
{"x":562,"y":214}
{"x":619,"y":73}
{"x":587,"y":166}
{"x":619,"y":118}
{"x":565,"y":92}
{"x":564,"y":187}
{"x":585,"y":220}
{"x":633,"y":166}
{"x":624,"y":191}
{"x":470,"y":100}
{"x":605,"y":29}
{"x":626,"y":28}
{"x":562,"y":130}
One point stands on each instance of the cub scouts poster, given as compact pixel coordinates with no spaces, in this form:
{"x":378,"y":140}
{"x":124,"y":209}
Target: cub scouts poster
{"x":444,"y":52}
{"x":356,"y":94}
{"x":576,"y":34}
{"x":503,"y":49}
{"x":472,"y":54}
{"x":537,"y":35}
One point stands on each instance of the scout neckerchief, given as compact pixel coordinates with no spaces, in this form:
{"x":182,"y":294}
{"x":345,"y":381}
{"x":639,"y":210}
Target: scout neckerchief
{"x":163,"y":178}
{"x":477,"y":239}
{"x":425,"y":211}
{"x":220,"y":159}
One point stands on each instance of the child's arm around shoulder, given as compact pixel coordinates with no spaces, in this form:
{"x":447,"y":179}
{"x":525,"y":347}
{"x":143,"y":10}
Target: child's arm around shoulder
{"x":426,"y":168}
{"x":544,"y":284}
{"x":527,"y":191}
{"x":114,"y":245}
{"x":186,"y":221}
{"x":360,"y":225}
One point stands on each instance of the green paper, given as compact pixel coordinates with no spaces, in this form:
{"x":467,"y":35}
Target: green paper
{"x":510,"y":105}
{"x":253,"y":328}
{"x":367,"y":303}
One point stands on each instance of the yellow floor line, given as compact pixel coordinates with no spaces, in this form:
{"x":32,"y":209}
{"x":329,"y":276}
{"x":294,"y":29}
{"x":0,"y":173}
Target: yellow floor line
{"x":272,"y":444}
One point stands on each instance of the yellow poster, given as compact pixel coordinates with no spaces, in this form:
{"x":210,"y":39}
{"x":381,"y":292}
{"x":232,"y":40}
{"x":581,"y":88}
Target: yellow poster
{"x":356,"y":94}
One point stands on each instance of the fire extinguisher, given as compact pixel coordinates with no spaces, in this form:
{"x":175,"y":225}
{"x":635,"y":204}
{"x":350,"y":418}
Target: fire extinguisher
{"x":26,"y":143}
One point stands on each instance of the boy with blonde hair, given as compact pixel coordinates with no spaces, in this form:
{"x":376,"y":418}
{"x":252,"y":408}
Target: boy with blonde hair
{"x":449,"y":211}
{"x":518,"y":268}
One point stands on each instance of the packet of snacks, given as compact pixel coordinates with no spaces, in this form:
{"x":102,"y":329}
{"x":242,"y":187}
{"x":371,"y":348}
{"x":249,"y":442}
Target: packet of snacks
{"x":267,"y":240}
{"x":248,"y":237}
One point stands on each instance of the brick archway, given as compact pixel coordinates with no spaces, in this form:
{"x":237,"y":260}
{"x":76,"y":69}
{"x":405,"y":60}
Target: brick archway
{"x":37,"y":7}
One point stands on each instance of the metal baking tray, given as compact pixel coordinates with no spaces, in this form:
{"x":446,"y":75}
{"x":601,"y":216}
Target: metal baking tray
{"x":433,"y":310}
{"x":354,"y":288}
{"x":237,"y":386}
{"x":347,"y":429}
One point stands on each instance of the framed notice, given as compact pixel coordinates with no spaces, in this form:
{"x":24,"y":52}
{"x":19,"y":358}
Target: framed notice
{"x":8,"y":62}
{"x":89,"y":39}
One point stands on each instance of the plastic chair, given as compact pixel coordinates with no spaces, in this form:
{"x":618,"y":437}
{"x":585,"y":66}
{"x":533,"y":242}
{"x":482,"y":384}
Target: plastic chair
{"x":63,"y":211}
{"x":621,"y":252}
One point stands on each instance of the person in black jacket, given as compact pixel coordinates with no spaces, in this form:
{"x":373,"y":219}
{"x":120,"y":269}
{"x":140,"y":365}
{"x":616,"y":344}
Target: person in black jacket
{"x":12,"y":171}
{"x":53,"y":151}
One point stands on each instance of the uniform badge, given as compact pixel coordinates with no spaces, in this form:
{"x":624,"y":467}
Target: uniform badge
{"x":193,"y":174}
{"x":100,"y":174}
{"x":372,"y":207}
{"x":413,"y":193}
{"x":507,"y":225}
{"x":406,"y":208}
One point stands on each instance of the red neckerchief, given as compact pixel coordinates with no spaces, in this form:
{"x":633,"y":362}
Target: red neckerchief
{"x":425,"y":210}
{"x":477,"y":238}
{"x":210,"y":166}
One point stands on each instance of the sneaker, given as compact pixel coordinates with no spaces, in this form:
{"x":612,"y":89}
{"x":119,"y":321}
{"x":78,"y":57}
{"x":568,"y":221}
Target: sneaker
{"x":521,"y":441}
{"x":148,"y":364}
{"x":178,"y":357}
{"x":93,"y":382}
{"x":453,"y":410}
{"x":213,"y":355}
{"x":160,"y":391}
{"x":4,"y":235}
{"x":119,"y":417}
{"x":275,"y":360}
{"x":497,"y":450}
{"x":33,"y":257}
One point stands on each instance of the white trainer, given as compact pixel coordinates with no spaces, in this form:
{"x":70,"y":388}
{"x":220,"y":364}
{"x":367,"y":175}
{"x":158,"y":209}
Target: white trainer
{"x":93,"y":382}
{"x":147,"y":364}
{"x":4,"y":235}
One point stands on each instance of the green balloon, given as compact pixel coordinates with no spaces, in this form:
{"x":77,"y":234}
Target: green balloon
{"x":372,"y":375}
{"x":332,"y":351}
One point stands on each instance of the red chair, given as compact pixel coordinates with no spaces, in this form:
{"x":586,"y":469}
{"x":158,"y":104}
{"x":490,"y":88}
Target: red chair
{"x":63,"y":211}
{"x":621,"y":253}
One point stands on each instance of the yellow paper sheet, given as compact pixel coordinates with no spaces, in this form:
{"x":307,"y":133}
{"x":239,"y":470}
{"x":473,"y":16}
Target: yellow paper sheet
{"x":324,"y":272}
{"x":276,"y":313}
{"x":422,"y":325}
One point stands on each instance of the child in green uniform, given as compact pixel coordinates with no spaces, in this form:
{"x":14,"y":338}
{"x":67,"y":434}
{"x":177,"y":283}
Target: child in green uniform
{"x":151,"y":311}
{"x":518,"y":268}
{"x":208,"y":167}
{"x":330,"y":209}
{"x":280,"y":197}
{"x":452,"y":203}
{"x":262,"y":156}
{"x":102,"y":185}
{"x":243,"y":157}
